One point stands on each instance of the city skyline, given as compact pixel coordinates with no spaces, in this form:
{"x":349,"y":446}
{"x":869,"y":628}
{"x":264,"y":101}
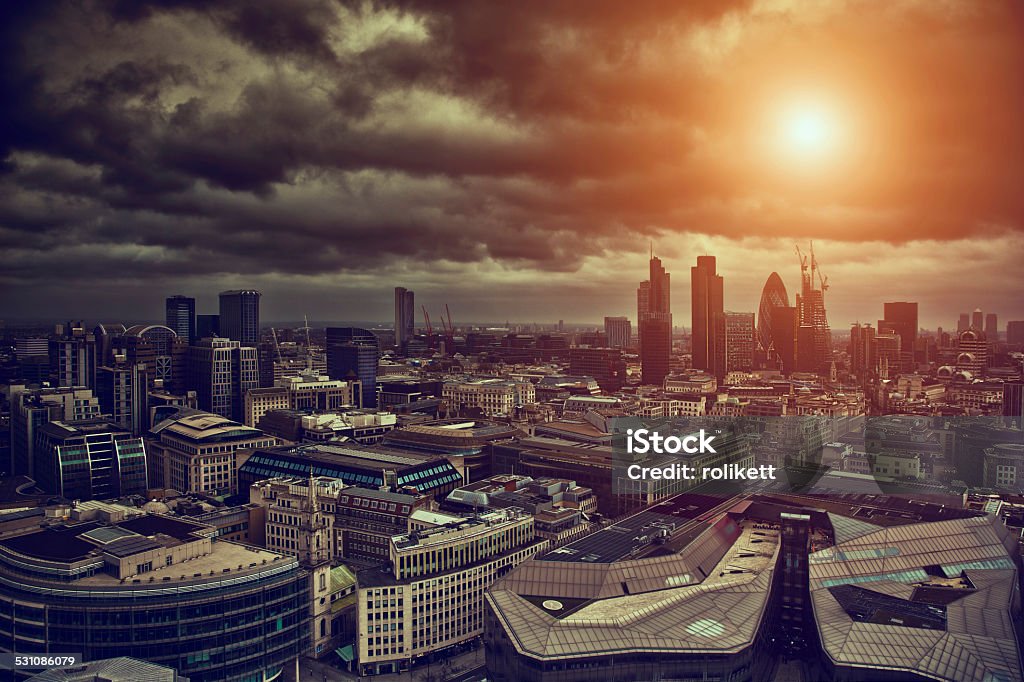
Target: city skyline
{"x":439,"y":149}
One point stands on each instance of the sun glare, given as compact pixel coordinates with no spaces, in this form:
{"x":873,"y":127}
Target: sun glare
{"x":808,"y":129}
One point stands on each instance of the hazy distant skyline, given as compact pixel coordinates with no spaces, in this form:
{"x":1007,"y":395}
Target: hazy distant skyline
{"x":513,"y":160}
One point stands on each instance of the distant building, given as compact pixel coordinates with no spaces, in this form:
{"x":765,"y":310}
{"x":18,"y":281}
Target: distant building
{"x":89,"y":459}
{"x":221,"y":371}
{"x":239,"y":318}
{"x":405,"y":317}
{"x":493,"y":397}
{"x":773,"y":297}
{"x":737,"y":341}
{"x":972,"y":352}
{"x":181,"y":316}
{"x":604,"y":364}
{"x":352,"y":354}
{"x":992,"y":327}
{"x":207,"y":326}
{"x":73,"y":356}
{"x":706,"y":299}
{"x":654,"y":322}
{"x":618,"y":332}
{"x":308,"y":391}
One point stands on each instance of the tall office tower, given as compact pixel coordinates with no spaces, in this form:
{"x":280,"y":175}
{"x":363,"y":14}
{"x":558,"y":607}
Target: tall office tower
{"x":972,"y":352}
{"x":655,"y":323}
{"x":618,"y":332}
{"x":240,"y":316}
{"x":1013,"y":402}
{"x":862,"y":350}
{"x":814,"y":336}
{"x":978,"y":320}
{"x":405,"y":317}
{"x":963,"y":322}
{"x":353,"y":353}
{"x":89,"y":459}
{"x":181,"y":316}
{"x":220,"y":371}
{"x":207,"y":326}
{"x":773,"y":296}
{"x":73,"y":356}
{"x":736,"y":347}
{"x":901,"y":318}
{"x":122,"y":388}
{"x":992,"y":328}
{"x":1015,"y":332}
{"x":706,"y":299}
{"x":785,"y":323}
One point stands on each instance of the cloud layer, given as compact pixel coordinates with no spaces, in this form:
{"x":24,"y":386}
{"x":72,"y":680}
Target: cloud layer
{"x":513,"y":159}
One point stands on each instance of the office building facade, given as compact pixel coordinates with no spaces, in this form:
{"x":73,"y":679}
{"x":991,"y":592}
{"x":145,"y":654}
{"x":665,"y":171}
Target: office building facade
{"x":706,"y":299}
{"x":89,"y":459}
{"x":352,"y":353}
{"x":239,"y":318}
{"x":181,"y":316}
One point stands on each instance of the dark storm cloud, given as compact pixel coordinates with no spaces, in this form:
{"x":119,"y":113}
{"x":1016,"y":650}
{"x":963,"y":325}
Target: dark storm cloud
{"x":141,"y":141}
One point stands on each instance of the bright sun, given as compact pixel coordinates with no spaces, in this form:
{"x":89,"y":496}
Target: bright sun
{"x":807,"y":130}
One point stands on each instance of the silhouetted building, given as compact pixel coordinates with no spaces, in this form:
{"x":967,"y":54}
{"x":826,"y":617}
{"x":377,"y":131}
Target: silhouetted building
{"x":992,"y":327}
{"x":862,"y":350}
{"x":73,"y":356}
{"x":353,"y":353}
{"x":181,"y":316}
{"x":784,"y":332}
{"x":963,"y":322}
{"x":655,"y":322}
{"x":1015,"y":332}
{"x":706,"y":291}
{"x":1013,"y":401}
{"x":240,"y":316}
{"x":773,"y":296}
{"x":978,"y":319}
{"x":814,"y":338}
{"x":207,"y":326}
{"x":901,"y":318}
{"x":405,"y":317}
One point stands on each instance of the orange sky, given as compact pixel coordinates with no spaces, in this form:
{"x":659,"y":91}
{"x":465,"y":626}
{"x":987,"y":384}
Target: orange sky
{"x":512,"y":159}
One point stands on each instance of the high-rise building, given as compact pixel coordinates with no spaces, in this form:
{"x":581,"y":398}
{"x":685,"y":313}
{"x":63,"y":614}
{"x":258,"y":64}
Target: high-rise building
{"x":972,"y":352}
{"x":220,"y":371}
{"x":706,"y":292}
{"x":785,"y":324}
{"x":89,"y":459}
{"x":655,"y":323}
{"x":978,"y":320}
{"x":1015,"y":332}
{"x":736,"y":333}
{"x":181,"y":316}
{"x":814,"y":338}
{"x":73,"y":356}
{"x":862,"y":350}
{"x":964,"y":322}
{"x":352,"y":353}
{"x":773,"y":296}
{"x":405,"y":317}
{"x":240,"y":316}
{"x":618,"y":332}
{"x":992,"y":328}
{"x":207,"y":326}
{"x":122,"y":388}
{"x":901,"y":319}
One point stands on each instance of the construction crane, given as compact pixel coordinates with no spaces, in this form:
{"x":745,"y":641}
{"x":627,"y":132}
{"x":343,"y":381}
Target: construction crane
{"x":426,"y":320}
{"x":277,"y":347}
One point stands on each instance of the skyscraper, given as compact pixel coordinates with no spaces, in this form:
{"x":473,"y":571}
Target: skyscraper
{"x":240,"y":316}
{"x":814,"y":338}
{"x":992,"y":328}
{"x":773,"y":296}
{"x":354,"y":352}
{"x":618,"y":332}
{"x":737,"y":341}
{"x":655,"y":322}
{"x":1015,"y":332}
{"x":978,"y":320}
{"x":221,"y":371}
{"x":861,"y":351}
{"x":405,"y":317}
{"x":706,"y":291}
{"x":901,"y":319}
{"x":181,"y":316}
{"x":207,"y":326}
{"x":963,"y":322}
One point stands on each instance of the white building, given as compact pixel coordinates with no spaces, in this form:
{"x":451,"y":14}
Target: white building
{"x":496,"y":397}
